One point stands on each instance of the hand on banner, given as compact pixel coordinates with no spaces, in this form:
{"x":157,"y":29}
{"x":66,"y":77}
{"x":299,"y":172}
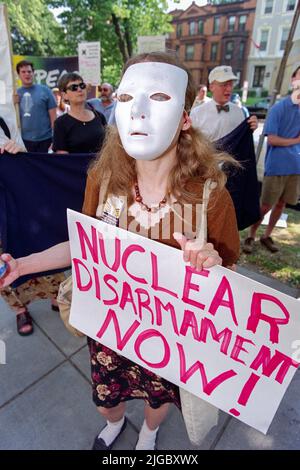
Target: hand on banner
{"x":11,"y":147}
{"x":16,"y":98}
{"x":12,"y":270}
{"x":253,"y":123}
{"x":200,"y":256}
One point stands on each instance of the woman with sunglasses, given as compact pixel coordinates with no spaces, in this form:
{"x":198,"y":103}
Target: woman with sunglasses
{"x":156,"y":159}
{"x":82,"y":129}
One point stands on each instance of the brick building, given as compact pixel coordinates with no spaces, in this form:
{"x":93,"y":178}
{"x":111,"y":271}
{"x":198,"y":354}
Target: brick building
{"x":214,"y":34}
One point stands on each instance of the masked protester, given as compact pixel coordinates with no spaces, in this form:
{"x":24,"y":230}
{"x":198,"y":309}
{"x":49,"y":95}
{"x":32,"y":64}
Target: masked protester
{"x":156,"y":161}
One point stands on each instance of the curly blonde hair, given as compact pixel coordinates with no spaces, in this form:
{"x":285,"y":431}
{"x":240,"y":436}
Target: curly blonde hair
{"x":197,"y":159}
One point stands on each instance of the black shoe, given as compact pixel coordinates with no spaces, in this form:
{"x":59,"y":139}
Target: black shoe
{"x":55,"y":308}
{"x":99,"y":444}
{"x":248,"y":245}
{"x":269,"y":244}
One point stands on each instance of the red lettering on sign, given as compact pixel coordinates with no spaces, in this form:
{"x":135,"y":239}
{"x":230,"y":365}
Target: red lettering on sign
{"x":127,"y":297}
{"x":107,"y":278}
{"x":269,"y":364}
{"x":127,"y":252}
{"x":117,"y":251}
{"x":168,"y":307}
{"x":112,"y":317}
{"x":238,"y":347}
{"x":85,"y":241}
{"x":77,"y":263}
{"x":219,"y":300}
{"x":144,"y":303}
{"x":155,"y":285}
{"x":207,"y":386}
{"x":188,"y":285}
{"x":224,"y":335}
{"x":189,"y":321}
{"x":256,"y":315}
{"x":152,"y":334}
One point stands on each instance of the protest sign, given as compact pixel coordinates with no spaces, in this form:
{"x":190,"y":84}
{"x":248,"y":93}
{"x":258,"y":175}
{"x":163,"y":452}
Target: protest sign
{"x":151,"y":43}
{"x":225,"y":338}
{"x":89,"y":62}
{"x":48,"y":70}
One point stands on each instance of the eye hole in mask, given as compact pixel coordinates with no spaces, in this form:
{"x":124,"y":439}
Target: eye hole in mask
{"x":160,"y":97}
{"x":124,"y":97}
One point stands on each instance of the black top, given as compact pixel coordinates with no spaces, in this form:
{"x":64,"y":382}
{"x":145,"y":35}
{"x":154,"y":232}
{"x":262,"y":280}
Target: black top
{"x":76,"y":136}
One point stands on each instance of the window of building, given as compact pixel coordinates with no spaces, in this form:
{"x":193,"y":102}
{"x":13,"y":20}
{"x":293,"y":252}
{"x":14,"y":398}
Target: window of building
{"x":217,"y":21}
{"x":179,"y":30}
{"x":242,"y":22}
{"x":284,"y":36}
{"x":231,"y":23}
{"x":264,"y":40}
{"x":268,"y":7}
{"x":290,"y":6}
{"x":242,"y":50}
{"x":189,"y":52}
{"x":177,"y":50}
{"x":229,"y":48}
{"x":214,"y":51}
{"x":258,"y":78}
{"x":192,"y":27}
{"x":201,"y":26}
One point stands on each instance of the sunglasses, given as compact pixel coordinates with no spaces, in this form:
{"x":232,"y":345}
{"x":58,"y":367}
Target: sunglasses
{"x":103,"y":89}
{"x":75,"y":86}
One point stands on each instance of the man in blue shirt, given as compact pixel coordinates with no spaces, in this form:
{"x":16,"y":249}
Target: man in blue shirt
{"x":37,"y":110}
{"x":105,"y":104}
{"x":281,"y":183}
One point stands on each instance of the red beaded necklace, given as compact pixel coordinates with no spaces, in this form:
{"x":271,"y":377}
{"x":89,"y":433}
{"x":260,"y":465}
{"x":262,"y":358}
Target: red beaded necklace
{"x":145,"y":207}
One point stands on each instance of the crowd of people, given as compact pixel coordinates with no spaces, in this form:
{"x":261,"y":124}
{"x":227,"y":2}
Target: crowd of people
{"x":155,"y":145}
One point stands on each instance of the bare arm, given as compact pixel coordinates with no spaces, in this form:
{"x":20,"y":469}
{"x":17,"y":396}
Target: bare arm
{"x":52,"y":115}
{"x":277,"y":141}
{"x":58,"y":256}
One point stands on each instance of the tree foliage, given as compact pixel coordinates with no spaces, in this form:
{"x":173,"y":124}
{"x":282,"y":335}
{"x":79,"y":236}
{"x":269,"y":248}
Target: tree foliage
{"x":116,"y":23}
{"x":34,"y":28}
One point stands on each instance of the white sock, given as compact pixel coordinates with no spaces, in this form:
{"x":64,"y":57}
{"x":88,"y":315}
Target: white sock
{"x":147,"y":438}
{"x":111,"y":430}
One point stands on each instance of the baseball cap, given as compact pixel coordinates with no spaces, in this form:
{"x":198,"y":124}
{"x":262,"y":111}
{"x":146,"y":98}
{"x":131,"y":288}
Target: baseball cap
{"x":222,"y":73}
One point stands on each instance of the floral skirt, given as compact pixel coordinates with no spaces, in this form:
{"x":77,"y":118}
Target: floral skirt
{"x":43,"y":287}
{"x":116,"y":379}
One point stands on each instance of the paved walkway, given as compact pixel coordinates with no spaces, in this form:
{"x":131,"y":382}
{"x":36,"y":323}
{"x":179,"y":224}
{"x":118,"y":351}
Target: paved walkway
{"x":45,"y":396}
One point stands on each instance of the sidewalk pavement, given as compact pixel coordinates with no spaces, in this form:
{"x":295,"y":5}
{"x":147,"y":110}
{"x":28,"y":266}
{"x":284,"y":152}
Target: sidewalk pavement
{"x":45,"y":396}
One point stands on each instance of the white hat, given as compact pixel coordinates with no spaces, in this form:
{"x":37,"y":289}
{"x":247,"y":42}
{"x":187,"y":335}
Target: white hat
{"x":223,"y":73}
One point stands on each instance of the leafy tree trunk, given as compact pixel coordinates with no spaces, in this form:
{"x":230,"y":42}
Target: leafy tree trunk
{"x":120,"y":36}
{"x":128,"y":37}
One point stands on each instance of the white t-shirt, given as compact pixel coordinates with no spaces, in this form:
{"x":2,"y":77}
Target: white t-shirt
{"x":213,"y":124}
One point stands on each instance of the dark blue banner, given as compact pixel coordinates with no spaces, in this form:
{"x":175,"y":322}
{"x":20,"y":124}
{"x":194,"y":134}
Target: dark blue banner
{"x":35,"y":191}
{"x":242,"y":183}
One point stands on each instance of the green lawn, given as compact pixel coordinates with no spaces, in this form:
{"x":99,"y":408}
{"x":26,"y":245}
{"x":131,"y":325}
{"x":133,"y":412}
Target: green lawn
{"x":284,"y":265}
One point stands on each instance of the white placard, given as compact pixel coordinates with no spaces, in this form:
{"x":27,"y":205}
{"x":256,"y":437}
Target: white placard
{"x":151,"y":44}
{"x":227,"y":339}
{"x":89,"y":62}
{"x":7,"y":109}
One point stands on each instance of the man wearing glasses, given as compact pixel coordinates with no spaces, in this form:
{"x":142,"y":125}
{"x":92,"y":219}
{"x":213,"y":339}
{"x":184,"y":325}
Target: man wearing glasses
{"x":105,"y":104}
{"x":219,"y":116}
{"x":37,"y":110}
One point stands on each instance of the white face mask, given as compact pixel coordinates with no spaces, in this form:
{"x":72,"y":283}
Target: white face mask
{"x":151,"y":99}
